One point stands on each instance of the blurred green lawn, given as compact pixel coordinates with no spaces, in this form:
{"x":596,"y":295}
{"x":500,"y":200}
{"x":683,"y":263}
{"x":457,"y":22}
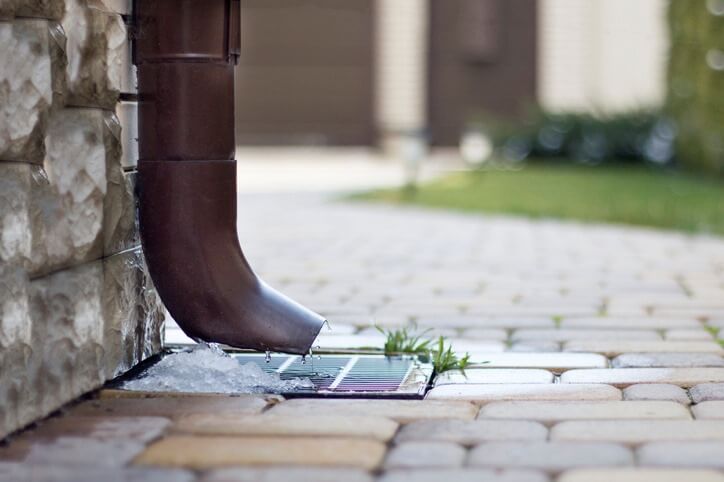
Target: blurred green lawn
{"x":611,"y":193}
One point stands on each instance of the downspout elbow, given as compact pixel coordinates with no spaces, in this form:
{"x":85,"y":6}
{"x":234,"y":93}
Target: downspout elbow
{"x":185,"y":53}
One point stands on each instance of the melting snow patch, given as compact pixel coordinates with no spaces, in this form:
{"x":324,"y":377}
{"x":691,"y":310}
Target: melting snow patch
{"x":207,"y":369}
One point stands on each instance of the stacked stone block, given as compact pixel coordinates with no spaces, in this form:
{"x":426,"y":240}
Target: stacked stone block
{"x":77,"y":306}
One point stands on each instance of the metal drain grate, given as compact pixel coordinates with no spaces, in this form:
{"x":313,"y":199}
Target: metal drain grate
{"x":359,"y":376}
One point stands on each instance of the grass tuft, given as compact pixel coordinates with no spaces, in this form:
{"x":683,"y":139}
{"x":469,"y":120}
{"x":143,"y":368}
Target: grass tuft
{"x":439,"y":353}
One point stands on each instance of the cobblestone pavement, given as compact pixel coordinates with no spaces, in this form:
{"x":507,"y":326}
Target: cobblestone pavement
{"x":601,"y":343}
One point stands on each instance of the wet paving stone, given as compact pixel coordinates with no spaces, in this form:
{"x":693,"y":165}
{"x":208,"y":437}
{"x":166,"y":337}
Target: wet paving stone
{"x":549,"y":456}
{"x":667,"y":360}
{"x":377,"y":428}
{"x":556,"y":362}
{"x":17,"y":472}
{"x":208,"y":452}
{"x":656,"y":391}
{"x":494,"y":375}
{"x":550,"y":412}
{"x":411,"y":455}
{"x":531,"y":391}
{"x":279,"y":474}
{"x":174,"y":405}
{"x":403,"y":411}
{"x":623,"y":377}
{"x":463,"y":475}
{"x":641,"y":475}
{"x":472,"y":432}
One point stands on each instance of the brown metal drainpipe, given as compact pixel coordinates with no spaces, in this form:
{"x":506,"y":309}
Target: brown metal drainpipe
{"x":185,"y":52}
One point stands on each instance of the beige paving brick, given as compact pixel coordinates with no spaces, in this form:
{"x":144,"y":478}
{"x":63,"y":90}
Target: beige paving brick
{"x":631,"y":323}
{"x":494,"y":375}
{"x":402,"y":411}
{"x":22,"y":472}
{"x":622,"y":377}
{"x":640,"y":475}
{"x":531,"y":391}
{"x":463,"y":475}
{"x":639,"y":431}
{"x":466,"y":432}
{"x":174,"y":406}
{"x":684,"y":334}
{"x":668,"y":360}
{"x":556,"y":362}
{"x":566,"y":334}
{"x":296,"y":474}
{"x":707,"y":392}
{"x":409,"y":455}
{"x":318,"y":425}
{"x":552,"y":457}
{"x":675,"y":454}
{"x":709,"y":410}
{"x":549,"y":412}
{"x":656,"y":391}
{"x":617,"y":347}
{"x":210,"y":452}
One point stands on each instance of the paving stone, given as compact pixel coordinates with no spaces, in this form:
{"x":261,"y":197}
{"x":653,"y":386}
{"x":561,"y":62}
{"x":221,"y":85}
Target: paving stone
{"x":615,"y":348}
{"x":319,"y":425}
{"x":667,"y":360}
{"x":622,"y":377}
{"x":471,"y":432}
{"x":631,"y":323}
{"x":462,"y":475}
{"x":549,"y":456}
{"x":639,"y":431}
{"x":530,"y":391}
{"x":494,"y":375}
{"x":497,"y":334}
{"x":81,"y":451}
{"x":296,"y":474}
{"x":656,"y":391}
{"x":16,"y":472}
{"x":549,"y":412}
{"x":707,"y":392}
{"x":210,"y":452}
{"x":402,"y":411}
{"x":139,"y":428}
{"x":173,"y":406}
{"x":682,"y":334}
{"x":532,"y":346}
{"x":556,"y":362}
{"x":709,"y":410}
{"x":640,"y":475}
{"x":670,"y":454}
{"x":410,"y":455}
{"x":564,"y":334}
{"x":472,"y":321}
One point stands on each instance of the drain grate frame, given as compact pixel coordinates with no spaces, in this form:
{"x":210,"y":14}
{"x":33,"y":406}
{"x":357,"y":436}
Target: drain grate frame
{"x":349,"y":376}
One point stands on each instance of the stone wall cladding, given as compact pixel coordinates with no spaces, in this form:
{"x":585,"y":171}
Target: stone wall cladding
{"x":77,"y":306}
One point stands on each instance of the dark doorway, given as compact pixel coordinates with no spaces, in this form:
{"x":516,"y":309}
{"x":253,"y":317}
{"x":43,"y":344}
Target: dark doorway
{"x":305,"y":73}
{"x":482,"y":63}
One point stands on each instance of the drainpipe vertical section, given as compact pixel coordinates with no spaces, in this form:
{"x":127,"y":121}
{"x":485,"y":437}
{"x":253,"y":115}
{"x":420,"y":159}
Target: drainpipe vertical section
{"x":185,"y":52}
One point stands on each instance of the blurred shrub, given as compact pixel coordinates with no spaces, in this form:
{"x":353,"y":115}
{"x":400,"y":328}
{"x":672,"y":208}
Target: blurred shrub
{"x":641,"y":136}
{"x":696,"y":82}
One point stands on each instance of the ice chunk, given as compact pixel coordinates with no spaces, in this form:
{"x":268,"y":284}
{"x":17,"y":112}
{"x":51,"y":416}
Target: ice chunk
{"x":207,"y":369}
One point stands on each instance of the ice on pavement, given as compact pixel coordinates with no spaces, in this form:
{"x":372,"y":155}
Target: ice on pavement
{"x":207,"y":369}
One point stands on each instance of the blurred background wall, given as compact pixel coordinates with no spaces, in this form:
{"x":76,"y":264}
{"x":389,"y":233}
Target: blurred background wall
{"x":374,"y":73}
